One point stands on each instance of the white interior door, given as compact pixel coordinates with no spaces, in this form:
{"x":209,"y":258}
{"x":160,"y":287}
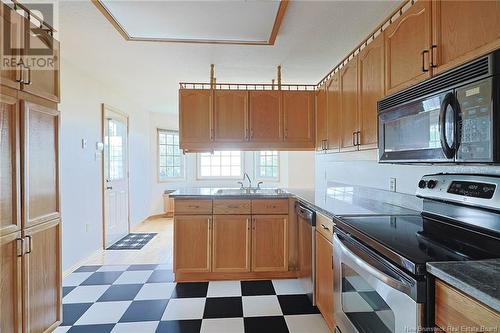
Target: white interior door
{"x":115,"y":165}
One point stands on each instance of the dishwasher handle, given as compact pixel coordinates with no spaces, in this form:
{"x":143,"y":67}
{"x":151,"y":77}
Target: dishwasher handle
{"x":306,"y":214}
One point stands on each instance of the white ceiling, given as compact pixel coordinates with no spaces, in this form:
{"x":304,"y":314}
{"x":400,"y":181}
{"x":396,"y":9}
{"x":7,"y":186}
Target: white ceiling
{"x":313,"y":37}
{"x":205,"y":20}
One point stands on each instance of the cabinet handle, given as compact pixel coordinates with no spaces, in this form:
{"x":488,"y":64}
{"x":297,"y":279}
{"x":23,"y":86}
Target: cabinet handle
{"x":30,"y":244}
{"x":354,"y":138}
{"x":20,"y":71}
{"x":358,"y":138}
{"x":193,"y":206}
{"x":232,"y":206}
{"x":424,"y":52}
{"x":326,"y":144}
{"x":433,"y":53}
{"x":20,"y":247}
{"x":251,"y":133}
{"x":325,"y":227}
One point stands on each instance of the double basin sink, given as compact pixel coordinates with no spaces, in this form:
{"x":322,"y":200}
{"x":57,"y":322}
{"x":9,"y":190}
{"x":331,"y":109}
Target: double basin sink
{"x":250,"y":191}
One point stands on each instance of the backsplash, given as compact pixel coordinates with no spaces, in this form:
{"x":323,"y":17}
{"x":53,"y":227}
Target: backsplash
{"x":362,"y":169}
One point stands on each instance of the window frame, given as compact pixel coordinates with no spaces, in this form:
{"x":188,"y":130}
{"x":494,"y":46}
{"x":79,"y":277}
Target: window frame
{"x":198,"y":168}
{"x":258,"y":177}
{"x":158,"y":166}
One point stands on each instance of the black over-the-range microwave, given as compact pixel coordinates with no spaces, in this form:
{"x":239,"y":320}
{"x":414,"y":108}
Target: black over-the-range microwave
{"x":453,"y":117}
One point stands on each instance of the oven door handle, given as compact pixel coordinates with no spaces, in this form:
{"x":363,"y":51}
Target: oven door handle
{"x":363,"y":262}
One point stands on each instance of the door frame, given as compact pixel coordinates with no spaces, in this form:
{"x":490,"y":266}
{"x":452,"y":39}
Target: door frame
{"x":105,"y":109}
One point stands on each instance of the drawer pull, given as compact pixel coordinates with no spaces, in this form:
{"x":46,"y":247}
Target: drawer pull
{"x":193,"y":206}
{"x":325,"y":227}
{"x":233,"y":206}
{"x":271,"y":206}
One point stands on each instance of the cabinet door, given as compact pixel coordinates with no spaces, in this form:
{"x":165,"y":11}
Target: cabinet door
{"x":42,"y":53}
{"x":324,"y":278}
{"x":333,"y":111}
{"x":40,"y":144}
{"x":266,"y":119}
{"x":11,"y":47}
{"x":407,"y":47}
{"x":321,"y":119}
{"x":269,"y":243}
{"x":371,"y":89}
{"x":10,"y":220}
{"x":298,"y":109}
{"x":42,"y":277}
{"x":349,"y":105}
{"x":192,"y":243}
{"x":231,"y":116}
{"x":10,"y":288}
{"x":464,"y":30}
{"x":231,"y":243}
{"x":195,"y":118}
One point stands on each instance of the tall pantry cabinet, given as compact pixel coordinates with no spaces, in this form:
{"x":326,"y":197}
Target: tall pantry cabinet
{"x":30,"y":221}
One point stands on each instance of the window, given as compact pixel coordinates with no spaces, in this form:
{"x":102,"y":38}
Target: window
{"x":220,"y":164}
{"x":170,"y":158}
{"x":267,"y":165}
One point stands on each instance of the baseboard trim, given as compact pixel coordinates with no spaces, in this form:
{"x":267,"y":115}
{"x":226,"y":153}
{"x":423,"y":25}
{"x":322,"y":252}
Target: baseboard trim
{"x":214,"y":276}
{"x":81,"y":263}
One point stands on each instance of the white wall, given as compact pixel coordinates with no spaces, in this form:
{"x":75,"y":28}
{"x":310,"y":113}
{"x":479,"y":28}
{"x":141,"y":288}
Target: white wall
{"x":362,"y":168}
{"x":296,"y":168}
{"x":81,"y":194}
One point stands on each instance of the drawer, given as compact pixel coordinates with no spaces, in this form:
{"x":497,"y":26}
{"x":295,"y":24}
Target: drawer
{"x":232,"y":206}
{"x":270,"y":206}
{"x":454,"y":310}
{"x":192,"y":206}
{"x":324,"y":225}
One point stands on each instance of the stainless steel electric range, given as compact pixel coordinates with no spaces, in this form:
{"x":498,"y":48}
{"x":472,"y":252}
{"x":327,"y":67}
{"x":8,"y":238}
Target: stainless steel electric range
{"x":380,"y":283}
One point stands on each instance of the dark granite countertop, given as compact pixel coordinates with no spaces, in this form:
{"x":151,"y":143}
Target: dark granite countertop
{"x":479,"y":279}
{"x":337,"y":200}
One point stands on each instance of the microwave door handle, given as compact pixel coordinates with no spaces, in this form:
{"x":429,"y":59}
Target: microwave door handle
{"x":364,"y":264}
{"x":449,"y":100}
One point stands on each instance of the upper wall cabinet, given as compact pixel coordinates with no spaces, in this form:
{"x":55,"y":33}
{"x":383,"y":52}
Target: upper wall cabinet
{"x":266,"y":117}
{"x":371,"y":89}
{"x":333,"y":112}
{"x":463,"y":30}
{"x":231,"y":116}
{"x":349,"y":104}
{"x":298,"y":107}
{"x":195,"y":118}
{"x":12,"y":25}
{"x":408,"y":47}
{"x":321,"y":119}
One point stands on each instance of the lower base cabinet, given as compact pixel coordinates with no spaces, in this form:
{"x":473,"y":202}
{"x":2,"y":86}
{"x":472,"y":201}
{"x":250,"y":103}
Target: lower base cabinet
{"x":324,"y":278}
{"x":231,"y":243}
{"x":192,"y":239}
{"x":11,"y":283}
{"x":269,"y":243}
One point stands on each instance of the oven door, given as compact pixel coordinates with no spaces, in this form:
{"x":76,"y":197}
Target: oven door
{"x":369,"y":297}
{"x":418,"y":131}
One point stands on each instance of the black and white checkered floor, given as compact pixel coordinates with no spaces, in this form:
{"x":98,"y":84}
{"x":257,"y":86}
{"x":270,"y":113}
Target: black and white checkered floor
{"x":144,"y":299}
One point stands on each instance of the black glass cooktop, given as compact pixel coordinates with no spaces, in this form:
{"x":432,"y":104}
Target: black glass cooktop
{"x":420,"y":239}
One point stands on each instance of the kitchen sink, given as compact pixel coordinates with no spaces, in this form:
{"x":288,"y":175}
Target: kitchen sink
{"x":250,"y":191}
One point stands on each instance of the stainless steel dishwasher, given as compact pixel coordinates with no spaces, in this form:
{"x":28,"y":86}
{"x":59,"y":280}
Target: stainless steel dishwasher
{"x":306,"y":219}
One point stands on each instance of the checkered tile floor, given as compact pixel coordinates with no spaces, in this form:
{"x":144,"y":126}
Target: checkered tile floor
{"x":144,"y":299}
{"x":132,"y":242}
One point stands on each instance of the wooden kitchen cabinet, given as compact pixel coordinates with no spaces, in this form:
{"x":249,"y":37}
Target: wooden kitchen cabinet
{"x":11,"y":286}
{"x":42,"y":277}
{"x":463,"y":30}
{"x":195,"y":119}
{"x":324,"y":278}
{"x":10,"y":190}
{"x":298,"y":108}
{"x":192,"y":243}
{"x":265,"y":115}
{"x":408,"y":47}
{"x":371,"y":90}
{"x":231,"y":116}
{"x":333,"y":112}
{"x":40,"y":144}
{"x":41,"y":77}
{"x":321,"y":119}
{"x":349,"y":105}
{"x":11,"y":49}
{"x":269,"y":243}
{"x":231,"y":243}
{"x":455,"y":310}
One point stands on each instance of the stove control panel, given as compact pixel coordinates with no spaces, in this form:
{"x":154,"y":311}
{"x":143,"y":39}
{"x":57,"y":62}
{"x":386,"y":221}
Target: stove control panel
{"x":475,"y":190}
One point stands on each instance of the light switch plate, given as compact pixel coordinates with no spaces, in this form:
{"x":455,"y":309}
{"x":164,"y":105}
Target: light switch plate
{"x":392,"y":184}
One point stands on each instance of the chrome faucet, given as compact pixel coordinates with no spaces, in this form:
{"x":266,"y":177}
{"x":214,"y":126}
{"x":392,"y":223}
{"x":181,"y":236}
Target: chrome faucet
{"x":249,"y":181}
{"x":258,"y":185}
{"x":241,"y":185}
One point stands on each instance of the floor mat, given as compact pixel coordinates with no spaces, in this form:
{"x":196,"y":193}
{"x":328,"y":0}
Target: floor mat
{"x":132,"y":242}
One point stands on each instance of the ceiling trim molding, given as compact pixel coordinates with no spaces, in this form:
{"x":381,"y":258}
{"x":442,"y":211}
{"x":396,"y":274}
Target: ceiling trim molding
{"x":272,"y":38}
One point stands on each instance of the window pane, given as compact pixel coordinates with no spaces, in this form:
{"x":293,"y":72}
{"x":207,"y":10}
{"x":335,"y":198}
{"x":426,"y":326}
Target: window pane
{"x":220,"y":164}
{"x":171,"y":161}
{"x":267,"y":164}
